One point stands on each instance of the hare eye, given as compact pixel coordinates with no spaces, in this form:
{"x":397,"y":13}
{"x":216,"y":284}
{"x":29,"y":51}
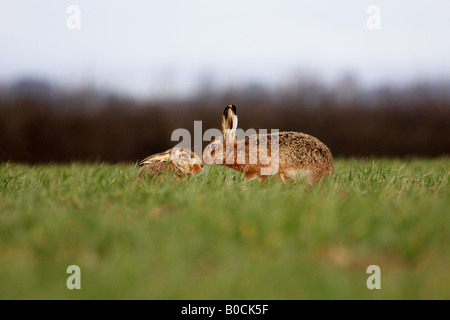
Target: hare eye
{"x":185,"y":155}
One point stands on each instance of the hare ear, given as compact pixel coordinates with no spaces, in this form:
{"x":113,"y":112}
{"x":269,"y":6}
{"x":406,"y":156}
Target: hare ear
{"x":159,"y":157}
{"x":229,"y":123}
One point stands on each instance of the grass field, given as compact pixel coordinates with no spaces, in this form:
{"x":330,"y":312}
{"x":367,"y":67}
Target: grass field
{"x":218,"y":236}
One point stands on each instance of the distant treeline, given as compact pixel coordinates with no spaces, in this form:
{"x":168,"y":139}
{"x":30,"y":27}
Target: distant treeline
{"x":39,"y":124}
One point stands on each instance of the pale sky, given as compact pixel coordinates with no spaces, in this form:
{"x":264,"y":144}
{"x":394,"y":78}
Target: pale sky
{"x":146,"y":48}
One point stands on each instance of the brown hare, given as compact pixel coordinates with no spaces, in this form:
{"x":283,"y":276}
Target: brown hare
{"x":175,"y":163}
{"x":290,"y":155}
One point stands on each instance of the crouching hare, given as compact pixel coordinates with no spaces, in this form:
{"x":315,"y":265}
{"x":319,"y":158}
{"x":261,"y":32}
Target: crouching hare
{"x":289,"y":155}
{"x":176,"y":163}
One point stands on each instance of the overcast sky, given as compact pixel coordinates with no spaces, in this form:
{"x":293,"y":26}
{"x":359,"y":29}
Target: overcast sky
{"x":146,"y":47}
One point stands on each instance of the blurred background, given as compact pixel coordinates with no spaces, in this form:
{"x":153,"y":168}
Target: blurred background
{"x":110,"y":80}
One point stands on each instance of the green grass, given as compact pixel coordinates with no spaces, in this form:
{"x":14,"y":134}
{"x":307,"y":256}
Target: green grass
{"x":219,"y":236}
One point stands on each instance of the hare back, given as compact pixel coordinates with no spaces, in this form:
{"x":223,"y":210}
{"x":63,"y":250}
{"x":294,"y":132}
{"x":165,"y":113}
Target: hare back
{"x":295,"y":149}
{"x":160,"y":169}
